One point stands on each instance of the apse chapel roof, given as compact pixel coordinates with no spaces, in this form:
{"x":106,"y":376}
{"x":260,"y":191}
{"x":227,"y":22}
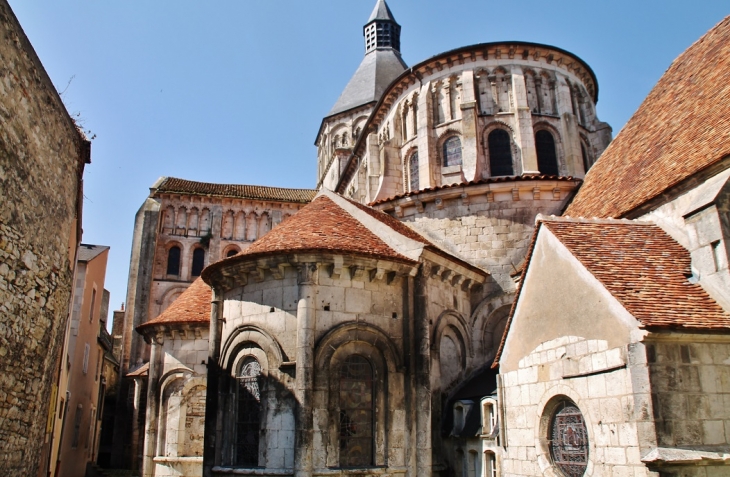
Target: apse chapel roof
{"x":335,"y":225}
{"x":173,"y":185}
{"x":681,"y":128}
{"x":192,"y":307}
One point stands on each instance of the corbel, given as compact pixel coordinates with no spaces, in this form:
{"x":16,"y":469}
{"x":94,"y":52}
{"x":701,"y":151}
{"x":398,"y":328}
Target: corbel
{"x":549,"y":58}
{"x":536,"y":55}
{"x":376,"y":274}
{"x":457,"y":279}
{"x":439,"y":203}
{"x":490,"y":196}
{"x":556,"y":194}
{"x":259,"y":274}
{"x":419,"y":206}
{"x":390,"y":277}
{"x":536,"y":193}
{"x":466,"y":284}
{"x":464,"y":198}
{"x":445,"y":274}
{"x":515,"y":194}
{"x":511,"y":53}
{"x":525,"y":54}
{"x":498,"y":54}
{"x":278,"y":271}
{"x":399,"y":211}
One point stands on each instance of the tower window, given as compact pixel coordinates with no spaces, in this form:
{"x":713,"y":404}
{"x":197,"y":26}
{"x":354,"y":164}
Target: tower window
{"x":173,"y":261}
{"x":547,"y":160}
{"x":198,"y":262}
{"x":500,"y":153}
{"x":356,"y":412}
{"x":413,"y":172}
{"x":452,"y":151}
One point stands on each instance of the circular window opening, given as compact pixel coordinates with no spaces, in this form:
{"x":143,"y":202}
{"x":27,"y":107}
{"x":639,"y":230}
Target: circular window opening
{"x":568,"y":439}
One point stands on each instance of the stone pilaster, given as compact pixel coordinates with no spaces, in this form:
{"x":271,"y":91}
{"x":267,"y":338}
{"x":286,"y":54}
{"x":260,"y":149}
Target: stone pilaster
{"x":304,"y":386}
{"x":524,"y":133}
{"x":153,"y":406}
{"x":469,"y":114}
{"x":569,"y":129}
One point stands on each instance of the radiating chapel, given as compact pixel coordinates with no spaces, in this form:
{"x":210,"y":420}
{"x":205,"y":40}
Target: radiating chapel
{"x":480,"y":284}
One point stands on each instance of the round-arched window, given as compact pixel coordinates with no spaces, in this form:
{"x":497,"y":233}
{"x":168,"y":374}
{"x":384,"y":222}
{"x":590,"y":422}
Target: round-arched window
{"x":452,"y":151}
{"x":413,"y":172}
{"x":248,"y":413}
{"x":568,"y":439}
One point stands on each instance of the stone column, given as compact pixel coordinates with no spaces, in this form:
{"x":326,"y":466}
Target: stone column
{"x":423,"y":378}
{"x":469,"y":114}
{"x":213,"y":419}
{"x":304,"y":386}
{"x":524,"y":133}
{"x":153,"y":406}
{"x":424,"y":139}
{"x":569,"y":130}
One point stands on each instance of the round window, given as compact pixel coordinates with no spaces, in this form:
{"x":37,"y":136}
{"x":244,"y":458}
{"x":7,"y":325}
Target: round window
{"x":569,"y":439}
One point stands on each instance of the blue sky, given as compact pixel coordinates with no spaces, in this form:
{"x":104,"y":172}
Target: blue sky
{"x":233,"y":91}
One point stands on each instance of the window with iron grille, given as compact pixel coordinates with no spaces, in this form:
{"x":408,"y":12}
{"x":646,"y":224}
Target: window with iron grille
{"x":356,"y":412}
{"x":568,"y":439}
{"x":248,"y":413}
{"x":500,"y":153}
{"x":452,"y":151}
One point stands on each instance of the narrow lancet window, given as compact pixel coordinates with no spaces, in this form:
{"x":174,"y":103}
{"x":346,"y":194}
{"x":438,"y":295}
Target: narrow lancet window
{"x":452,"y":151}
{"x":198,"y":262}
{"x":547,"y":159}
{"x":173,"y":261}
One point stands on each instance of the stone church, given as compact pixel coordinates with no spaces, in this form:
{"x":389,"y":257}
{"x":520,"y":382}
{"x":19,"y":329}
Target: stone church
{"x":438,"y":304}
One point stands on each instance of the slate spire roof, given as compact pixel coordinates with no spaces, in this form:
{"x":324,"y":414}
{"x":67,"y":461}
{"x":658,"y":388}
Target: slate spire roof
{"x":381,"y":12}
{"x":681,"y":128}
{"x":381,"y":65}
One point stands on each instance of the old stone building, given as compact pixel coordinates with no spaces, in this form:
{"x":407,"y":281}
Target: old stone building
{"x":617,"y":355}
{"x":42,"y":159}
{"x":182,"y":227}
{"x":380,"y":329}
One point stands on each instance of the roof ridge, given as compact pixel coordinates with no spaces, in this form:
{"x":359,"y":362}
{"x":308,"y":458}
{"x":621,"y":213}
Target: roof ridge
{"x":591,"y":220}
{"x":169,"y":178}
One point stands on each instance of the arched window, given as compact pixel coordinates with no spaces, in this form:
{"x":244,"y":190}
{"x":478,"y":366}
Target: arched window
{"x":500,"y":153}
{"x":356,"y":412}
{"x":584,"y":153}
{"x":547,"y":159}
{"x":198,"y":262}
{"x":173,"y":261}
{"x":452,"y":151}
{"x":568,"y":439}
{"x":413,"y":172}
{"x":490,"y":464}
{"x":248,"y":413}
{"x":231,"y":252}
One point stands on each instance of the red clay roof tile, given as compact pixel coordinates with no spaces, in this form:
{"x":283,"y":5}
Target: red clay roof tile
{"x":682,"y":127}
{"x":320,"y":226}
{"x":173,"y":185}
{"x":191,"y":307}
{"x":639,"y":264}
{"x":645,"y":269}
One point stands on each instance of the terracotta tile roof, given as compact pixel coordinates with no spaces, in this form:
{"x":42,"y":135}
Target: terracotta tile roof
{"x":320,"y":226}
{"x":639,"y":264}
{"x":645,"y":269}
{"x":682,"y":127}
{"x":489,"y":180}
{"x":172,"y":185}
{"x":143,"y":370}
{"x":191,"y":307}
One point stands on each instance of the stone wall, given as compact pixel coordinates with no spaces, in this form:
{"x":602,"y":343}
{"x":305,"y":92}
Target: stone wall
{"x":42,"y":156}
{"x":690,"y":385}
{"x":610,"y":387}
{"x":181,"y":397}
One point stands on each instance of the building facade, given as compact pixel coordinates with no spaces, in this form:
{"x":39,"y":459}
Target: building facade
{"x":42,"y":159}
{"x":425,"y":314}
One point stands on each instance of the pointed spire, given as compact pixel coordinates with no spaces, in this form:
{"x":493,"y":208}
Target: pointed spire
{"x":381,"y":30}
{"x":381,"y":12}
